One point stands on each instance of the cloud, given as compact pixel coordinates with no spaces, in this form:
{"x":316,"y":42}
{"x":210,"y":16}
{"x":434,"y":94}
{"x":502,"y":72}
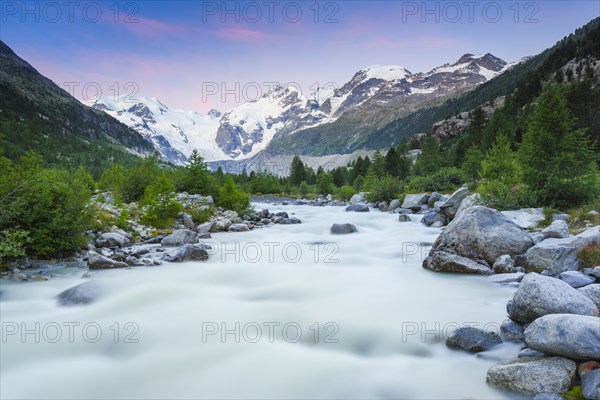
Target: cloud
{"x":246,"y":35}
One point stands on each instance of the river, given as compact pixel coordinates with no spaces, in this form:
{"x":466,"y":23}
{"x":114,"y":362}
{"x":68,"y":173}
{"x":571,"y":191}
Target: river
{"x":289,"y":312}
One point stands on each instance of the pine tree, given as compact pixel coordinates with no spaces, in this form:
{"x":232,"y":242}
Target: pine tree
{"x":392,"y":162}
{"x":378,"y":166}
{"x":298,"y":171}
{"x":431,"y":158}
{"x":558,"y":165}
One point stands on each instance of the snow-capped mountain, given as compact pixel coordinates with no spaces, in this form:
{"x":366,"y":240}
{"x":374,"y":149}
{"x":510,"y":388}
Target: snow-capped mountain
{"x":249,"y":128}
{"x":174,"y":133}
{"x":373,"y":96}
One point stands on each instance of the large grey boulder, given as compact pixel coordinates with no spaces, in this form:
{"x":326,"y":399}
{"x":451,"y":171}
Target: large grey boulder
{"x":442,"y":261}
{"x":112,"y":239}
{"x":403,"y":218}
{"x":450,"y":207}
{"x":573,"y":336}
{"x":394,"y":204}
{"x":576,"y":279}
{"x":526,"y":218}
{"x":540,"y":295}
{"x":179,"y":238}
{"x":482,"y":233}
{"x":556,"y":230}
{"x":188,"y":252}
{"x":97,"y":261}
{"x":559,"y":255}
{"x":473,"y":339}
{"x":533,"y":375}
{"x":592,"y":292}
{"x":84,"y":293}
{"x":341,"y":229}
{"x":188,"y":222}
{"x":415,"y":201}
{"x":590,"y":385}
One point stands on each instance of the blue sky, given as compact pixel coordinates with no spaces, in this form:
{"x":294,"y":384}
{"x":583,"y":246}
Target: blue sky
{"x":201,"y":55}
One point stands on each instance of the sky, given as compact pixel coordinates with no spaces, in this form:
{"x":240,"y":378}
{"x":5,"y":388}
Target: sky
{"x":200,"y":55}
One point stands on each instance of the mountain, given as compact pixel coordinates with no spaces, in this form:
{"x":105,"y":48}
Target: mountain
{"x":174,"y":133}
{"x":373,"y":97}
{"x":36,"y":114}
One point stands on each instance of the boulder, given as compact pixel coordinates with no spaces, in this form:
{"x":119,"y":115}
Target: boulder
{"x":592,"y":292}
{"x":511,"y":330}
{"x":433,"y":217}
{"x":188,"y":222}
{"x":238,"y":228}
{"x":112,"y":239}
{"x":561,"y":216}
{"x":537,"y":238}
{"x":469,"y":201}
{"x":576,"y":279}
{"x":341,"y":229}
{"x":84,"y":293}
{"x":360,"y":207}
{"x":526,"y":218}
{"x":515,"y":277}
{"x":188,"y":252}
{"x":357,"y":199}
{"x":394,"y":204}
{"x":434,"y":198}
{"x":450,"y":206}
{"x":97,"y":261}
{"x":540,"y":295}
{"x":403,"y":218}
{"x":504,"y":265}
{"x":442,"y":261}
{"x":473,"y":339}
{"x":556,"y":230}
{"x":415,"y":201}
{"x":205,"y":229}
{"x":533,"y":375}
{"x":590,"y":385}
{"x":560,"y":255}
{"x":179,"y":238}
{"x":481,"y":233}
{"x":573,"y":336}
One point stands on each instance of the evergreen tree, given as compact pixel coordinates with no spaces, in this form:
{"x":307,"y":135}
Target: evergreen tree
{"x":558,"y":165}
{"x":404,"y":159}
{"x":298,"y":171}
{"x":378,"y":166}
{"x":431,"y":158}
{"x":196,"y":178}
{"x":392,"y":162}
{"x":471,"y":167}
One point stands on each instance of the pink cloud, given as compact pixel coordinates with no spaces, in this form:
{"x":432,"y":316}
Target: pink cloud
{"x":246,"y":35}
{"x":149,"y":27}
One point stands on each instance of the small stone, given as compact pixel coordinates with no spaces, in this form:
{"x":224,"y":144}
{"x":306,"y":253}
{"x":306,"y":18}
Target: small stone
{"x":403,"y":218}
{"x":504,"y":265}
{"x":341,"y":229}
{"x":473,"y":339}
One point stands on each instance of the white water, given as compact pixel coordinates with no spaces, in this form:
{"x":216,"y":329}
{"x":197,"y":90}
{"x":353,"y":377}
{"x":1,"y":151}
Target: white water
{"x":371,"y":295}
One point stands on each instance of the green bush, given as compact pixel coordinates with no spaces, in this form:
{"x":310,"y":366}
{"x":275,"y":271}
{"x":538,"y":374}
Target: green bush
{"x":445,"y":179}
{"x":231,"y":198}
{"x":200,"y":215}
{"x":303,"y":189}
{"x":160,"y":206}
{"x":325,"y":184}
{"x":138,"y":178}
{"x":384,"y":189}
{"x":51,"y":205}
{"x":13,"y":243}
{"x":346,"y":192}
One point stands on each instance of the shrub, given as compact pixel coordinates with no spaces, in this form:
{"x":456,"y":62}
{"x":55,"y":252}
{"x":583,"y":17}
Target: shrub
{"x":303,"y":189}
{"x":201,"y":215}
{"x":160,"y":206}
{"x":346,"y":192}
{"x":590,"y":255}
{"x":231,"y":198}
{"x":445,"y":179}
{"x":13,"y":243}
{"x":325,"y":183}
{"x":384,"y":189}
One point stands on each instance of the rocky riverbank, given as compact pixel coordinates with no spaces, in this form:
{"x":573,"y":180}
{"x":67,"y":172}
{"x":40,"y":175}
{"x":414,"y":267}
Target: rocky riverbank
{"x":554,"y":313}
{"x":137,"y":245}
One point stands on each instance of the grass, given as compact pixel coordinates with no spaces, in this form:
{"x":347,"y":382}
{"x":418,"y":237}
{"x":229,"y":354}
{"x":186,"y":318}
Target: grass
{"x":581,"y":217}
{"x":590,"y":255}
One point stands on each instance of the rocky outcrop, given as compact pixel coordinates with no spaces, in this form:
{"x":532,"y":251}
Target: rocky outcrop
{"x":415,"y":201}
{"x":450,"y":207}
{"x":180,"y":237}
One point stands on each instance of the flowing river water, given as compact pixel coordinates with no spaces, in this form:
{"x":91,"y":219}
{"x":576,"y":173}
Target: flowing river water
{"x":289,"y":312}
